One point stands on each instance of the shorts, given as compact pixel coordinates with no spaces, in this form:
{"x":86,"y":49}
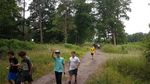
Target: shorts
{"x":73,"y":72}
{"x":12,"y":76}
{"x":26,"y":78}
{"x":92,"y":53}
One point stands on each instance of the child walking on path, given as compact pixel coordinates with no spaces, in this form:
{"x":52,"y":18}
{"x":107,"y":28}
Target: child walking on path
{"x":59,"y":66}
{"x":74,"y":63}
{"x":92,"y":49}
{"x":27,"y":68}
{"x":13,"y":67}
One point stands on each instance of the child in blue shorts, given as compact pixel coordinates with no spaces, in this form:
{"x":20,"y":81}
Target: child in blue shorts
{"x":13,"y":67}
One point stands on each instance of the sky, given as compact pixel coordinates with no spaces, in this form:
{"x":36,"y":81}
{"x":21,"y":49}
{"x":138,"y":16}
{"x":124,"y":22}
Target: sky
{"x":139,"y":17}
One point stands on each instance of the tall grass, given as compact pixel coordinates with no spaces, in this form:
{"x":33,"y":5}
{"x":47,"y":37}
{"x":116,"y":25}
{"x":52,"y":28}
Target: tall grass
{"x":41,"y":58}
{"x":128,"y":68}
{"x":109,"y":48}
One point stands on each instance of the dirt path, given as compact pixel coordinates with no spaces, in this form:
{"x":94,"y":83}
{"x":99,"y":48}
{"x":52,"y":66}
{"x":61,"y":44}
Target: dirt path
{"x":87,"y":67}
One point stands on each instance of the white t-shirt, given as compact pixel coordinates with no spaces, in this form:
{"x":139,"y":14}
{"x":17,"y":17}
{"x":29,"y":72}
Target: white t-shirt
{"x":73,"y":62}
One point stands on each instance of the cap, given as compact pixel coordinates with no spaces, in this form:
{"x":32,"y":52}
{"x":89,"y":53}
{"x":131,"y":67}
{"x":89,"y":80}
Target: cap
{"x":57,"y":51}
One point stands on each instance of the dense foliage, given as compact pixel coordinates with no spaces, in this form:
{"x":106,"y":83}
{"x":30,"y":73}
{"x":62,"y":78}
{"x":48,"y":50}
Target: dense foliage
{"x":10,"y":19}
{"x":135,"y":37}
{"x":146,"y":44}
{"x":13,"y":44}
{"x":65,"y":21}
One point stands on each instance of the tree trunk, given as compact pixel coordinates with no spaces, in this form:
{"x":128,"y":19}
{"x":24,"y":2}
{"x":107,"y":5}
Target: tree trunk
{"x":41,"y":29}
{"x":114,"y":37}
{"x":65,"y":25}
{"x":23,"y":26}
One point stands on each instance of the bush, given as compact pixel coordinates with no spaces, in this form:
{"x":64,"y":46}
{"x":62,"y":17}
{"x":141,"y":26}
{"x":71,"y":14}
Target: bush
{"x":70,"y":46}
{"x":146,"y":43}
{"x":13,"y":44}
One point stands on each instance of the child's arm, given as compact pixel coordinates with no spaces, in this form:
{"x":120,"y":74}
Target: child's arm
{"x":52,"y":50}
{"x":31,"y":69}
{"x":17,"y":64}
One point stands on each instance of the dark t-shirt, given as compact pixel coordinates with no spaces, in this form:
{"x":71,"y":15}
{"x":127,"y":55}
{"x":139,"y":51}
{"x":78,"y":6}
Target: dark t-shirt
{"x":13,"y":69}
{"x":26,"y":66}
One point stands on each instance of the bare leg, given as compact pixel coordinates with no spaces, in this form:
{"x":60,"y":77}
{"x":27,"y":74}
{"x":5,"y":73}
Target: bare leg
{"x":10,"y":81}
{"x":75,"y":79}
{"x":70,"y":78}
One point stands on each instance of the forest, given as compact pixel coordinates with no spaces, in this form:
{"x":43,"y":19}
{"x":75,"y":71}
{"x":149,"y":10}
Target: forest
{"x":65,"y":21}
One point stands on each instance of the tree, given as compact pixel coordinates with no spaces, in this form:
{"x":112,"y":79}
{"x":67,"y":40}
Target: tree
{"x":9,"y":19}
{"x":83,"y":21}
{"x":135,"y":37}
{"x":110,"y":13}
{"x":42,"y":14}
{"x":64,"y":18}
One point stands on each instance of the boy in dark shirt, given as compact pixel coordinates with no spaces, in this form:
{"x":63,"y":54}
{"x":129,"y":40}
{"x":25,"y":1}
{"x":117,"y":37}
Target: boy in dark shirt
{"x":13,"y":67}
{"x":27,"y":68}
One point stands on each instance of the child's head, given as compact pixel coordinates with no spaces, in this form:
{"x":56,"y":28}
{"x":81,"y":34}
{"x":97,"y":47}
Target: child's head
{"x":73,"y":53}
{"x":11,"y":54}
{"x":22,"y":54}
{"x":57,"y":52}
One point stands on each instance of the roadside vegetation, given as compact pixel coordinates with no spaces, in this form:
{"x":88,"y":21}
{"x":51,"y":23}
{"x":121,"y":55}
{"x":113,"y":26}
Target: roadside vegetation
{"x":123,"y":68}
{"x":40,"y":54}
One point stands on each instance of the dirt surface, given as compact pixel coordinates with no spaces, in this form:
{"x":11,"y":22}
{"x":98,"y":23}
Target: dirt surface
{"x":86,"y":68}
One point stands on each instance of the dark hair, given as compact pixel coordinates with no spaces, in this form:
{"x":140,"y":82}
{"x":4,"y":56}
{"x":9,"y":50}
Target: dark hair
{"x":22,"y":53}
{"x":11,"y":53}
{"x":73,"y":52}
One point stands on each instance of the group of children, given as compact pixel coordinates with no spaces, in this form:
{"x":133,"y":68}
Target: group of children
{"x":59,"y":68}
{"x":25,"y":70}
{"x":27,"y":67}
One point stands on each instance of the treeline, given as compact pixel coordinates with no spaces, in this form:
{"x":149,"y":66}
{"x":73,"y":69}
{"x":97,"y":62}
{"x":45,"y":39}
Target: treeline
{"x":65,"y":21}
{"x":136,"y":37}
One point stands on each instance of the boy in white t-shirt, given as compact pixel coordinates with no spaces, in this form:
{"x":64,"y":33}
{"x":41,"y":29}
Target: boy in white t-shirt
{"x":74,"y":63}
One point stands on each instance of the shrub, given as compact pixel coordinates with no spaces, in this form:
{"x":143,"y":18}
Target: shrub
{"x":146,"y":44}
{"x":70,"y":46}
{"x":13,"y":44}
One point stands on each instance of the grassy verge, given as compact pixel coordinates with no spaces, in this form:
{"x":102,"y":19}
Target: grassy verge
{"x":41,"y":57}
{"x":128,"y":68}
